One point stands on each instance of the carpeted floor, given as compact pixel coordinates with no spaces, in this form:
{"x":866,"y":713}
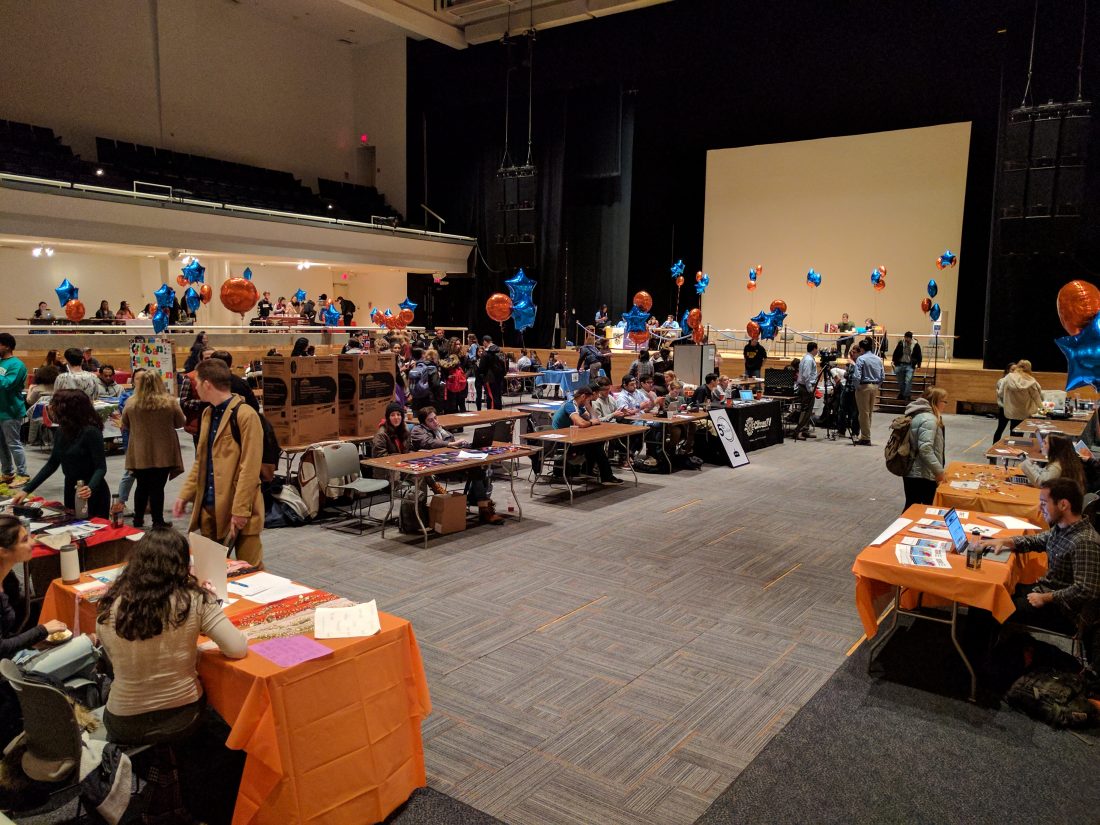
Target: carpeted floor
{"x":624,"y":659}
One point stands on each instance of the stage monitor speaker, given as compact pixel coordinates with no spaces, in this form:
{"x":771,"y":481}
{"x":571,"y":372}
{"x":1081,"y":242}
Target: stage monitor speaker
{"x":1040,"y":191}
{"x":1045,"y":133}
{"x":1017,"y":140}
{"x":1013,"y":192}
{"x":1075,"y":133}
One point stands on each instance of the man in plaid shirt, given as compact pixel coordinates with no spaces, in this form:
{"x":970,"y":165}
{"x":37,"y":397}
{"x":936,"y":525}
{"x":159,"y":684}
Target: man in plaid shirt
{"x":1069,"y":593}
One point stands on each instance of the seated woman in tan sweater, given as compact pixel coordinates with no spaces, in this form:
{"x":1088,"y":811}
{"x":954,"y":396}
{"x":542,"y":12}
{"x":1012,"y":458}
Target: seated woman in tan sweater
{"x":149,"y":623}
{"x":1062,"y":462}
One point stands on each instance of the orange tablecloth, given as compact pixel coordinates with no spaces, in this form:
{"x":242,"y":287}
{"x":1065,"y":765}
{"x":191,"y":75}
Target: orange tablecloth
{"x":333,"y":740}
{"x":995,"y":496}
{"x":878,"y":571}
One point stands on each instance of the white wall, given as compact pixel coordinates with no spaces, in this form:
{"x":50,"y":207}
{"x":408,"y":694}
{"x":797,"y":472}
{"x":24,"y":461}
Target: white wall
{"x":842,"y":206}
{"x":232,"y":84}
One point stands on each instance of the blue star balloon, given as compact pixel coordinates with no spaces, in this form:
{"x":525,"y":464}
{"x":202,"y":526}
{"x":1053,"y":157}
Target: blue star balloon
{"x":66,"y":292}
{"x":677,"y":270}
{"x":933,"y":289}
{"x":409,"y":305}
{"x":523,"y":315}
{"x":247,"y":274}
{"x":194,"y":271}
{"x":300,"y":295}
{"x":876,"y":276}
{"x":331,"y":315}
{"x":635,"y":320}
{"x":388,"y":313}
{"x":1082,"y":353}
{"x":166,"y":296}
{"x":753,"y":274}
{"x":770,"y":322}
{"x":192,"y":299}
{"x":520,"y":289}
{"x":160,"y":321}
{"x":934,"y":312}
{"x":948,"y":258}
{"x":813,"y":278}
{"x":684,"y":321}
{"x":702,"y":284}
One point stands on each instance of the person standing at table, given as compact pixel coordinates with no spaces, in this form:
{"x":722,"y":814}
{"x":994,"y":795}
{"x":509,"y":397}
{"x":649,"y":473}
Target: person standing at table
{"x":76,"y":377}
{"x":1002,"y":421}
{"x":491,"y":369}
{"x":224,"y":483}
{"x":868,"y":376}
{"x":13,"y":378}
{"x":78,"y":451}
{"x":754,"y":355}
{"x":906,"y":360}
{"x":1022,"y":394}
{"x":153,"y":451}
{"x":926,"y":447}
{"x":805,"y":385}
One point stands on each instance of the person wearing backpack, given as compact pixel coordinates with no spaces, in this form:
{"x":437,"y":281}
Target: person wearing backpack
{"x":454,"y":385}
{"x":926,"y":446}
{"x":424,"y":381}
{"x":491,"y":369}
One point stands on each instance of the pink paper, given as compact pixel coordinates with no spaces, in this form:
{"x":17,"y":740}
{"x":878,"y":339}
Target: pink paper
{"x":292,"y":650}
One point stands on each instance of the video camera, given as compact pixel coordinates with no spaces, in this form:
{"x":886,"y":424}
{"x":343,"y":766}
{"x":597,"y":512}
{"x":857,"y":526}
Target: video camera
{"x":827,"y":356}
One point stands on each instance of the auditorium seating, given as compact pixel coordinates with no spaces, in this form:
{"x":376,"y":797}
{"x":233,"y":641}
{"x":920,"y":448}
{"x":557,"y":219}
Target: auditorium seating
{"x":36,"y":151}
{"x":359,"y":203}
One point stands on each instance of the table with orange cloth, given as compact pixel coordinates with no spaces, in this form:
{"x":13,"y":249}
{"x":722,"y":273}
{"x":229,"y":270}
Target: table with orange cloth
{"x":333,"y":740}
{"x":995,"y":495}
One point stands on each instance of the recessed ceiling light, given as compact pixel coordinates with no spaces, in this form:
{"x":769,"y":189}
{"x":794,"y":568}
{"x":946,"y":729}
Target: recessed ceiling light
{"x":99,"y":173}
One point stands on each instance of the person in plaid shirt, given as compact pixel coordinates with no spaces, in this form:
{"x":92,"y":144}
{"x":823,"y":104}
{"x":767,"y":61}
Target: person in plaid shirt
{"x":1069,"y":593}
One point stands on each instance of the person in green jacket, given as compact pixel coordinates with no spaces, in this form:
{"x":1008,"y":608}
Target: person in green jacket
{"x":13,"y":380}
{"x":926,"y":446}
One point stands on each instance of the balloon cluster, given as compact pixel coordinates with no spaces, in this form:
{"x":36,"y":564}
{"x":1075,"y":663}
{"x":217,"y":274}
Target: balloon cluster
{"x":754,"y":273}
{"x":948,"y":258}
{"x":933,"y":309}
{"x":813,"y":279}
{"x":635,"y":321}
{"x":239,"y":294}
{"x":702,"y":281}
{"x":677,"y":270}
{"x":300,"y":295}
{"x":67,"y":294}
{"x":1079,"y":311}
{"x":166,"y":300}
{"x":390,"y":321}
{"x":520,"y":288}
{"x":878,"y":278}
{"x":767,"y":324}
{"x":331,"y":315}
{"x":693,"y":319}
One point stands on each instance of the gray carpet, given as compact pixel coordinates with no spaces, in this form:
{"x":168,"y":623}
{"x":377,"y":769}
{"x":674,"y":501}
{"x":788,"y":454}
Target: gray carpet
{"x":624,"y":659}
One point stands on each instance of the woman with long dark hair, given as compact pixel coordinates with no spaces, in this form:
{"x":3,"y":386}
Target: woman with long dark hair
{"x":301,"y":348}
{"x":124,"y":312}
{"x":104,"y":312}
{"x":1062,"y":462}
{"x":78,"y":451}
{"x":149,"y":623}
{"x":195,"y":355}
{"x":153,"y":455}
{"x":392,"y":437}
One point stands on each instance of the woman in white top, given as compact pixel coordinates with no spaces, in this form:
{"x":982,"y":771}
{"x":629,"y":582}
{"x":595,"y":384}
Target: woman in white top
{"x":149,"y":624}
{"x":1062,"y":462}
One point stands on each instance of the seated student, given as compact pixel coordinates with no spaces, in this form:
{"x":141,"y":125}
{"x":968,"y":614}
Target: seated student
{"x":426,"y":434}
{"x":708,"y":392}
{"x":632,"y":399}
{"x":726,"y":388}
{"x":149,"y":622}
{"x":554,"y":363}
{"x":604,"y":406}
{"x":1062,"y":462}
{"x":392,"y":437}
{"x":1069,"y":591}
{"x":105,"y":382}
{"x":574,"y":412}
{"x":524,"y":362}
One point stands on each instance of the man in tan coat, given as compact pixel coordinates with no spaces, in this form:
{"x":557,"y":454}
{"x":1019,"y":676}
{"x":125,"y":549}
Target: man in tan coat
{"x":224,"y":482}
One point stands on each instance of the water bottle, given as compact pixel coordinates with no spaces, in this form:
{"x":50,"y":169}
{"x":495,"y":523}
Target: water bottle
{"x":80,"y":505}
{"x":116,"y":511}
{"x":975,"y":542}
{"x":70,"y":564}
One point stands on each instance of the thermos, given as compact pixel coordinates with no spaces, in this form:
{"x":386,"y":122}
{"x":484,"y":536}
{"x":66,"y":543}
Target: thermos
{"x":70,"y":564}
{"x":80,"y":505}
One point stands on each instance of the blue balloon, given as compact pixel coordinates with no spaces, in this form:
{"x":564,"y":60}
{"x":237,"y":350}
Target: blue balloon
{"x":948,"y":258}
{"x":523,"y":315}
{"x":702,"y":284}
{"x":409,"y":305}
{"x":66,"y":292}
{"x":635,"y":320}
{"x":684,"y":321}
{"x":752,"y":274}
{"x":160,"y":321}
{"x":933,"y":290}
{"x":388,"y":313}
{"x":166,"y":296}
{"x":192,"y":299}
{"x":331,"y":315}
{"x":876,"y":276}
{"x":194,"y":271}
{"x":1082,"y":353}
{"x":677,"y":269}
{"x":520,"y":289}
{"x":813,"y":277}
{"x":770,"y":322}
{"x":300,"y":295}
{"x":247,"y":274}
{"x":934,"y":312}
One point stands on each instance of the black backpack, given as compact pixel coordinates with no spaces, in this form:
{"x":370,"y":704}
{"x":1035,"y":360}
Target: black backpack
{"x":1059,"y":699}
{"x":271,"y":451}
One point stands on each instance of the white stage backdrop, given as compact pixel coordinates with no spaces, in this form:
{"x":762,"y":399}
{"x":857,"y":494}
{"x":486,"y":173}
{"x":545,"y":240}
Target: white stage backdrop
{"x":841,"y":206}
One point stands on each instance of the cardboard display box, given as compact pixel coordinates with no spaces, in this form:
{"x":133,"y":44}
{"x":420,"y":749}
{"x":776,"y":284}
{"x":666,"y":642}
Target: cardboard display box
{"x":300,"y":398}
{"x":366,"y":382}
{"x":447,"y":513}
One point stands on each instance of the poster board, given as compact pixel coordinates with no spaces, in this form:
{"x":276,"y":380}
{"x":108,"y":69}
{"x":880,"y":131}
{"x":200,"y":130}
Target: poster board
{"x":154,"y":353}
{"x":727,"y":434}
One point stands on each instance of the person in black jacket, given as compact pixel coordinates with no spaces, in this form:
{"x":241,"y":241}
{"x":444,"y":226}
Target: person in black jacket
{"x":754,"y":357}
{"x":906,"y":360}
{"x":347,"y":309}
{"x":491,"y":370}
{"x":237,"y":385}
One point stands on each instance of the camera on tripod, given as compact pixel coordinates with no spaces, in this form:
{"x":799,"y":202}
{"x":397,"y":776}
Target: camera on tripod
{"x":827,"y":356}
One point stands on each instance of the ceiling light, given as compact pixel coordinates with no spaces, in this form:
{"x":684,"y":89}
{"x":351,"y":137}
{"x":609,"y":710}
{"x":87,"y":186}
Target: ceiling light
{"x":304,"y":265}
{"x":186,"y":260}
{"x":37,"y":252}
{"x":99,"y":173}
{"x":49,"y":251}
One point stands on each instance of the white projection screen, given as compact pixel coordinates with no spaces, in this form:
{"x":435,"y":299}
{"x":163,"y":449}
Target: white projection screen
{"x":842,"y":206}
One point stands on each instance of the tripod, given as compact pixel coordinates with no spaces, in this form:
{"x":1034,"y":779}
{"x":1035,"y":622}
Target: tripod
{"x":828,"y":396}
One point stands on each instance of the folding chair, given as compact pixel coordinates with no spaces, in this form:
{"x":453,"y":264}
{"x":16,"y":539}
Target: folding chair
{"x":337,"y":462}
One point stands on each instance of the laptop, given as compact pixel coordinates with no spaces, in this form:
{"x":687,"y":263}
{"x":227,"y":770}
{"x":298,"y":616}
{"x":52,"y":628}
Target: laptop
{"x":746,"y":395}
{"x":955,"y":528}
{"x":502,"y":431}
{"x":483,"y":437}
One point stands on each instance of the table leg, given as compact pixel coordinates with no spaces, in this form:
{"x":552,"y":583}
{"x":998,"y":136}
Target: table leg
{"x":565,"y":472}
{"x":962,"y":654}
{"x":389,"y":510}
{"x":626,"y":445}
{"x":512,"y":489}
{"x":664,"y":450}
{"x":416,"y":508}
{"x":883,"y":635}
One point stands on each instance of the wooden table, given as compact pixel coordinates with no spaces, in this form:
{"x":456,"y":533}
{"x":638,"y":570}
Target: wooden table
{"x":1072,"y":427}
{"x":1015,"y":449}
{"x":335,"y":739}
{"x":567,"y":437}
{"x":477,"y":418}
{"x":400,"y":464}
{"x":673,"y":418}
{"x":291,"y":450}
{"x":996,"y":494}
{"x":879,"y":574}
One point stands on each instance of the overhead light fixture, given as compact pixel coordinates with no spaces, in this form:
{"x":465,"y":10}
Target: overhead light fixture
{"x":99,"y":173}
{"x":186,"y":260}
{"x":304,"y":265}
{"x":39,"y":251}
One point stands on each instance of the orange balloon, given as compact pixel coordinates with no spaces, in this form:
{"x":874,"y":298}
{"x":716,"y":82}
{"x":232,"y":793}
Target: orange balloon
{"x":390,"y":321}
{"x":926,"y":305}
{"x":753,"y":329}
{"x":74,"y":310}
{"x":499,"y":307}
{"x":205,"y":293}
{"x":698,"y":334}
{"x":639,"y":337}
{"x":399,"y":322}
{"x":239,"y":295}
{"x":698,"y":276}
{"x":779,"y":304}
{"x":1078,"y":303}
{"x":406,"y":316}
{"x":643,"y":301}
{"x":695,"y":318}
{"x":750,"y":286}
{"x":181,"y":280}
{"x":679,"y":280}
{"x":881,"y":285}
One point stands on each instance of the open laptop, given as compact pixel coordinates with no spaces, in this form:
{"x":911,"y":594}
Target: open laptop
{"x":746,"y":395}
{"x":483,"y":437}
{"x":961,"y":542}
